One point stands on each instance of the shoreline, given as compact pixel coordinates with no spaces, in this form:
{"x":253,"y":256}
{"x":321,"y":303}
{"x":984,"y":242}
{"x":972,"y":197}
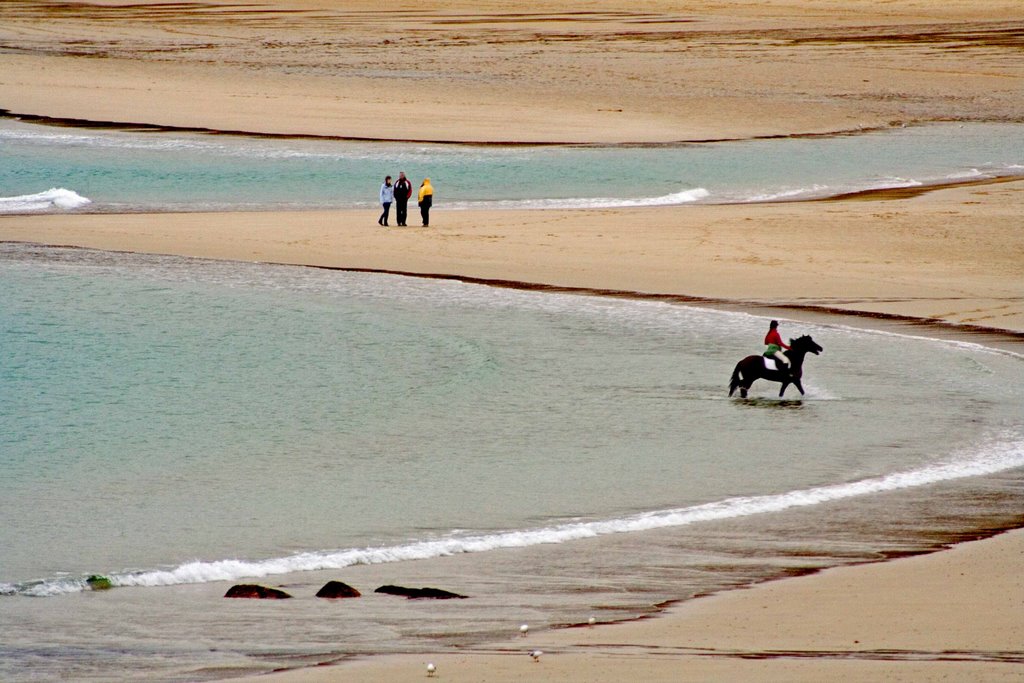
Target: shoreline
{"x":133,"y":126}
{"x":766,"y":631}
{"x":938,"y":329}
{"x":145,"y":127}
{"x":949,"y":256}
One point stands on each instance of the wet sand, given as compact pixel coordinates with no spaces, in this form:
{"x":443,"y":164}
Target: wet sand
{"x":952,"y":615}
{"x":605,"y":72}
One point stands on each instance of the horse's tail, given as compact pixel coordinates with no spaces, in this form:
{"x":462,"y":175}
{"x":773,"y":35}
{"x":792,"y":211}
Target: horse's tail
{"x":734,"y":383}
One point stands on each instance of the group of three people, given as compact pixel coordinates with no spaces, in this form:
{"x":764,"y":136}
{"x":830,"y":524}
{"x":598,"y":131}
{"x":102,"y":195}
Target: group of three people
{"x":399,"y":194}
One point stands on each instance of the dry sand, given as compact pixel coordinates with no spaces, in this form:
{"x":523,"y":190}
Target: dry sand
{"x":652,"y":70}
{"x":601,"y":70}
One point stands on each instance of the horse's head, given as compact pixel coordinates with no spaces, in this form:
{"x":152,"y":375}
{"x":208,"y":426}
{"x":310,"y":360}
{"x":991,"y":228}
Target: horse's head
{"x":806,"y":344}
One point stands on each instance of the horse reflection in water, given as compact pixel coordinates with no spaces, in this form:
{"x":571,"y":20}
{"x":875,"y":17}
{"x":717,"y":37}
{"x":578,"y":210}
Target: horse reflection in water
{"x":753,"y":368}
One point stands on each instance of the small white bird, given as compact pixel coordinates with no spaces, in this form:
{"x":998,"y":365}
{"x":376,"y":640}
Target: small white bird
{"x":536,"y":654}
{"x":591,"y":621}
{"x":431,"y":669}
{"x":524,"y":629}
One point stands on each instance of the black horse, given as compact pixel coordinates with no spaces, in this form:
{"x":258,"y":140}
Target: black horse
{"x":752,"y":368}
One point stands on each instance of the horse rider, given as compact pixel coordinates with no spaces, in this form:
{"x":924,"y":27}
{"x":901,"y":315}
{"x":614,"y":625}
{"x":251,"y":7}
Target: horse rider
{"x":775,"y":345}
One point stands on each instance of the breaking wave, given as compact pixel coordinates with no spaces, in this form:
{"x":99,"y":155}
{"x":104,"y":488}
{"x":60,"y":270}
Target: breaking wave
{"x":54,"y":198}
{"x":687,"y":196}
{"x":999,"y":455}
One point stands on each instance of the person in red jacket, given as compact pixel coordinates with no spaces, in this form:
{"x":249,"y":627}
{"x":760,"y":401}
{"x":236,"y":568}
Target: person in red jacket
{"x":775,"y":345}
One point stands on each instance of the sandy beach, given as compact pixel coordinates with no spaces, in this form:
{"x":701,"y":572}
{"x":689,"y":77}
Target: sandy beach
{"x":952,"y":615}
{"x":598,"y":72}
{"x":951,"y":258}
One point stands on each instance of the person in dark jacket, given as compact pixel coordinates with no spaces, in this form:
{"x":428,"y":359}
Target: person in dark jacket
{"x":403,"y":190}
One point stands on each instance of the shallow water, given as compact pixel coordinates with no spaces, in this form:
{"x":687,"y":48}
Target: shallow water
{"x":58,"y":169}
{"x":179,"y":425}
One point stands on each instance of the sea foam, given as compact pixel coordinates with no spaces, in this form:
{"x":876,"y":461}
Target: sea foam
{"x":687,"y":196}
{"x":55,"y":197}
{"x":999,"y":455}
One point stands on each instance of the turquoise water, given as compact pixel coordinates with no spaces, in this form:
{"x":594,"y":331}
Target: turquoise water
{"x":180,"y":425}
{"x":136,"y":171}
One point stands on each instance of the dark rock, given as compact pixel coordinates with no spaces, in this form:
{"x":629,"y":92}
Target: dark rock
{"x":397,"y":590}
{"x":336,"y":589}
{"x":437,"y":594}
{"x":418,"y":593}
{"x":249,"y":590}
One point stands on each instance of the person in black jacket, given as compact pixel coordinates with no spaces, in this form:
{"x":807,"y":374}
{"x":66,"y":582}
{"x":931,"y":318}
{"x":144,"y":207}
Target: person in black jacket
{"x":403,"y":190}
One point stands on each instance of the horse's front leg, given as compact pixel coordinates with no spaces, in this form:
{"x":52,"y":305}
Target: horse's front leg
{"x":798,"y":385}
{"x":785,"y":385}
